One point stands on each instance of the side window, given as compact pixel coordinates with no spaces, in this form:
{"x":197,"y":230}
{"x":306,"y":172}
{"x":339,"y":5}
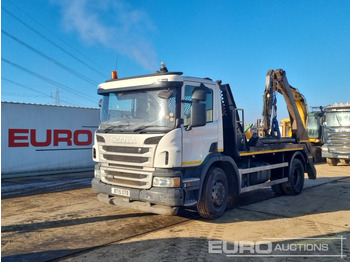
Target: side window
{"x":188,"y":104}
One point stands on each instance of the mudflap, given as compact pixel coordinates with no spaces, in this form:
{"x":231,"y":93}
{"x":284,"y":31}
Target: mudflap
{"x":310,"y":169}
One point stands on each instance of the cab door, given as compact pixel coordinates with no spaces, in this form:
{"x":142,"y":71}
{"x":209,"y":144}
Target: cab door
{"x":198,"y":141}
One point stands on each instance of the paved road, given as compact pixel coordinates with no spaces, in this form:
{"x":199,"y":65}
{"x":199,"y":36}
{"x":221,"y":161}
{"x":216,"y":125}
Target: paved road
{"x":73,"y":226}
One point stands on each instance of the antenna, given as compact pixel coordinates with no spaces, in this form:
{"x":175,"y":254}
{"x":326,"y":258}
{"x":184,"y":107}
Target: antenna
{"x":116,"y":63}
{"x":57,"y":100}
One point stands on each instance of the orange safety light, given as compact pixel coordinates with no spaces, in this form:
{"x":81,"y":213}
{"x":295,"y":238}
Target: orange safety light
{"x":114,"y":75}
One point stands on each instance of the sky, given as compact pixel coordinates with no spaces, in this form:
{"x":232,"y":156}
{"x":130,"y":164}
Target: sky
{"x":58,"y":51}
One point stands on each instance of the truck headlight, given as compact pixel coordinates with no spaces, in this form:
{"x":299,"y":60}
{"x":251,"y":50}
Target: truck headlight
{"x":97,"y":172}
{"x":166,"y":181}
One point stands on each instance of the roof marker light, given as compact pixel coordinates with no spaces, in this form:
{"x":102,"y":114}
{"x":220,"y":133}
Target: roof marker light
{"x":114,"y":75}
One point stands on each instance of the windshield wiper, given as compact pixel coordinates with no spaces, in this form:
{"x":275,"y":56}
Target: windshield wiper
{"x":108,"y":129}
{"x":146,"y":126}
{"x":338,"y":120}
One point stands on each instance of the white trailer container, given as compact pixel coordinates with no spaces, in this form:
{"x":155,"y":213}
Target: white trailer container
{"x":45,"y":138}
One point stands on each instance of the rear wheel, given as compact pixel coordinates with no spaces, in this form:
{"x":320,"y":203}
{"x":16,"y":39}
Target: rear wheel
{"x":213,"y":200}
{"x":295,"y":183}
{"x":277,"y":189}
{"x":332,"y":161}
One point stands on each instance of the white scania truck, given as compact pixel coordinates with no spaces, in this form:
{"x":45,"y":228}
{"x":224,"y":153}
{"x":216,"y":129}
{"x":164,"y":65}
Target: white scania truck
{"x":336,"y":134}
{"x":168,"y":141}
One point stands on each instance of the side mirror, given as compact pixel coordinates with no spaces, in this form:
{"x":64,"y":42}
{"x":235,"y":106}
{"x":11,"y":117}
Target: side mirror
{"x":200,"y":93}
{"x":198,"y":115}
{"x":100,"y":103}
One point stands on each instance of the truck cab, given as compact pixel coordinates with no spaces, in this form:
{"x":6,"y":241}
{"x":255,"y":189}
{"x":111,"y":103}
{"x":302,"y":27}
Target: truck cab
{"x":149,"y":132}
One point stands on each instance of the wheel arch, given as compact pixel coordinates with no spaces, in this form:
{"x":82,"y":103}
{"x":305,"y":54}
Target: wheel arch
{"x":298,"y":155}
{"x":229,"y":166}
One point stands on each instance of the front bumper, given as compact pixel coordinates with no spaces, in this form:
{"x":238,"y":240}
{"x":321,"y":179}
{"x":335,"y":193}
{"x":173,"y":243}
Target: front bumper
{"x":162,"y":196}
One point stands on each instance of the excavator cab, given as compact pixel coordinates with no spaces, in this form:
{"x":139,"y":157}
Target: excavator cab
{"x":314,"y":124}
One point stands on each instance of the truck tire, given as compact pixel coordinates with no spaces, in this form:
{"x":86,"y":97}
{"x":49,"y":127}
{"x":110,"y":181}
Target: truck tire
{"x":332,"y":161}
{"x":295,"y":183}
{"x":213,"y":200}
{"x":317,"y":154}
{"x":277,"y":189}
{"x":344,"y":161}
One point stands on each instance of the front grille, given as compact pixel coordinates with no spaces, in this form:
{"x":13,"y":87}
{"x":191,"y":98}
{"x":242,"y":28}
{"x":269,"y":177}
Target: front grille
{"x":111,"y":174}
{"x":130,"y":159}
{"x":126,"y":150}
{"x":124,"y":182}
{"x":127,"y":165}
{"x":127,"y":178}
{"x":127,"y":155}
{"x":338,"y":142}
{"x":338,"y":138}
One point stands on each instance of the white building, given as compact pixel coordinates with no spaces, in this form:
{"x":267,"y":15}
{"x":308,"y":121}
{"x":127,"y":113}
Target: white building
{"x":46,"y":139}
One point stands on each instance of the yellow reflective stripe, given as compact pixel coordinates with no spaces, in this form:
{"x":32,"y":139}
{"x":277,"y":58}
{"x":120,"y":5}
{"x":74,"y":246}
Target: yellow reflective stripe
{"x":220,"y":150}
{"x":192,"y":163}
{"x":315,"y":140}
{"x":269,"y":151}
{"x":311,"y":140}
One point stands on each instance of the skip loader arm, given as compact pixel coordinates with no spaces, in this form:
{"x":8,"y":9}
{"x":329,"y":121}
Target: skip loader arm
{"x":276,"y":80}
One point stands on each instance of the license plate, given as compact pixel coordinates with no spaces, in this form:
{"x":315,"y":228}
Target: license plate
{"x":120,"y":192}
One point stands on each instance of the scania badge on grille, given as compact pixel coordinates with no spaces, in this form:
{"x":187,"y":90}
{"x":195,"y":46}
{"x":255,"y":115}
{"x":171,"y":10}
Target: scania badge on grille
{"x":123,"y":140}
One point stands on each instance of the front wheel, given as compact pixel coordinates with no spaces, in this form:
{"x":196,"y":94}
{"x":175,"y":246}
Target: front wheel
{"x":317,"y":154}
{"x":213,"y":200}
{"x":295,"y":183}
{"x":332,"y":161}
{"x":344,"y":161}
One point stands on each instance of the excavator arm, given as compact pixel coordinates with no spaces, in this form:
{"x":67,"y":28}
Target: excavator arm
{"x":276,"y":81}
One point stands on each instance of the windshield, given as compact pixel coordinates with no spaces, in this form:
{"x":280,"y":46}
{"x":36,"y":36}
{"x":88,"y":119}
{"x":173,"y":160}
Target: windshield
{"x":139,"y":111}
{"x":341,"y":118}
